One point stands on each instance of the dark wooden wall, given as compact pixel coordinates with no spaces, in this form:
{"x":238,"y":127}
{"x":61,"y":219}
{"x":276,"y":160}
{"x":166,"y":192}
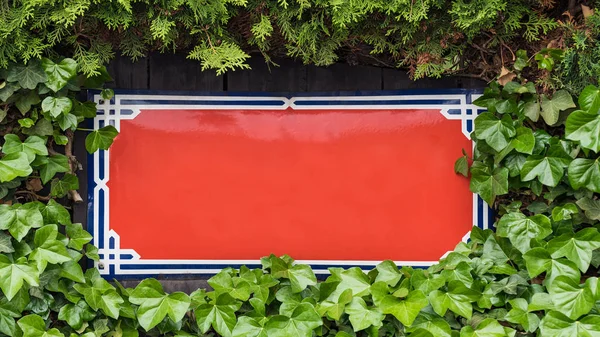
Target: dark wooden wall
{"x":175,"y":72}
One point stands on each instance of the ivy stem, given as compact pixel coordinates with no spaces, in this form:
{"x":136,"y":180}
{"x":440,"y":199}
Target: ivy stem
{"x":72,"y":164}
{"x":84,"y":129}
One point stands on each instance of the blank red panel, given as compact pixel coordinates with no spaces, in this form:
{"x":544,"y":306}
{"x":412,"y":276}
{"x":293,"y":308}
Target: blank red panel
{"x":317,"y":185}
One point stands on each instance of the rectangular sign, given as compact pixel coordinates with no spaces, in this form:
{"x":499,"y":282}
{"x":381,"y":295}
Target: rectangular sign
{"x":196,"y":183}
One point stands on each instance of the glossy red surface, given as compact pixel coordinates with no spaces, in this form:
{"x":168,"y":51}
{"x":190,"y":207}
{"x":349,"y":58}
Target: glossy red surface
{"x":328,"y":185}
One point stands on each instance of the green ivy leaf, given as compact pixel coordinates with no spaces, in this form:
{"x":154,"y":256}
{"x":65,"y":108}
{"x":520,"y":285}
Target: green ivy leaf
{"x":155,"y":305}
{"x":6,"y":243}
{"x":585,"y":173}
{"x":405,"y":310}
{"x":72,"y":271}
{"x":100,"y":139}
{"x":31,"y":146}
{"x":300,"y":323}
{"x":249,"y":327}
{"x":28,"y":75}
{"x":589,"y":99}
{"x":67,"y":121}
{"x":78,"y":237}
{"x":532,"y":110}
{"x":584,"y":127}
{"x":14,"y":165}
{"x":48,"y":249}
{"x":34,"y":326}
{"x":458,"y":299}
{"x":362,"y":317}
{"x":561,"y":100}
{"x":76,"y":314}
{"x":55,"y":213}
{"x":576,"y":247}
{"x":43,"y":127}
{"x":520,"y":229}
{"x":564,"y":212}
{"x":519,"y":314}
{"x":525,"y":141}
{"x":591,"y":207}
{"x":353,"y":278}
{"x":56,"y":106}
{"x":426,"y":282}
{"x":572,"y":299}
{"x":548,"y":169}
{"x":59,"y":73}
{"x":220,"y":315}
{"x":488,"y":327}
{"x":99,"y":294}
{"x":19,"y":219}
{"x":8,"y":313}
{"x":461,"y":166}
{"x":555,"y":324}
{"x":489,"y":185}
{"x":25,"y":101}
{"x":388,"y":272}
{"x":437,"y":327}
{"x":13,"y":276}
{"x":60,"y":187}
{"x":54,"y":164}
{"x":497,"y":133}
{"x":539,"y":260}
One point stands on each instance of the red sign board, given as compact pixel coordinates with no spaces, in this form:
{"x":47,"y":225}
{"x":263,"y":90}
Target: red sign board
{"x":196,"y":183}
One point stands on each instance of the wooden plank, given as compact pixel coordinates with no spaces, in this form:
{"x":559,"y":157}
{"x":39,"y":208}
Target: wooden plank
{"x":344,"y":77}
{"x":289,"y":76}
{"x":399,"y":80}
{"x":175,"y":72}
{"x":127,"y":74}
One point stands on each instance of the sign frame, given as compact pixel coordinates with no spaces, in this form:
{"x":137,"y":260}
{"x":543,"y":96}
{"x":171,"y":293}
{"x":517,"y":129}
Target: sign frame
{"x":122,"y":262}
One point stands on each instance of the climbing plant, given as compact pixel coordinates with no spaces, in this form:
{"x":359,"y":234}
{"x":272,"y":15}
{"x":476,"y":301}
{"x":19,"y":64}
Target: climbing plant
{"x":535,"y":162}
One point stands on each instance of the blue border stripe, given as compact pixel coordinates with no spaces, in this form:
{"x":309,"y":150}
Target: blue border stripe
{"x":378,"y":102}
{"x":200,"y":102}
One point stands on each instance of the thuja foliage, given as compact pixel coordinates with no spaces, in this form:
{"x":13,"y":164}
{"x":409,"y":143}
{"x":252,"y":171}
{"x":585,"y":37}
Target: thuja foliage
{"x":429,"y":37}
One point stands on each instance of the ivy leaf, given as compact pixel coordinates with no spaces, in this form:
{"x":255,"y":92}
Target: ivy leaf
{"x":437,"y":327}
{"x":555,"y":324}
{"x":488,"y":327}
{"x":55,"y":213}
{"x":300,"y":323}
{"x":548,"y":169}
{"x":31,"y":146}
{"x":14,"y":165}
{"x":155,"y":305}
{"x":589,"y":99}
{"x":388,"y":272}
{"x":249,"y":327}
{"x":34,"y":326}
{"x":361,"y":317}
{"x":56,"y":106}
{"x":497,"y":133}
{"x":13,"y":276}
{"x":458,"y":299}
{"x":6,"y":243}
{"x":43,"y":127}
{"x":100,"y":139}
{"x":99,"y":294}
{"x":54,"y":164}
{"x":519,"y":314}
{"x":462,"y":166}
{"x":60,"y":187}
{"x":24,"y":102}
{"x":76,"y":314}
{"x":301,"y":276}
{"x":28,"y":75}
{"x":353,"y":278}
{"x":220,"y":315}
{"x":8,"y":313}
{"x":532,"y":110}
{"x":405,"y":310}
{"x":48,"y":249}
{"x":551,"y":108}
{"x":520,"y":229}
{"x":19,"y":219}
{"x":584,"y":127}
{"x":72,"y":271}
{"x":489,"y":185}
{"x":78,"y":237}
{"x":426,"y":283}
{"x":585,"y":173}
{"x":67,"y":121}
{"x":564,"y":212}
{"x":525,"y":141}
{"x":572,"y":299}
{"x":576,"y":247}
{"x":591,"y":207}
{"x":59,"y":74}
{"x":539,"y":260}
